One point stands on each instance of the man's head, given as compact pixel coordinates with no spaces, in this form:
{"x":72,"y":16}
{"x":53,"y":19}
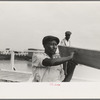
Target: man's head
{"x":67,"y":35}
{"x":50,"y":44}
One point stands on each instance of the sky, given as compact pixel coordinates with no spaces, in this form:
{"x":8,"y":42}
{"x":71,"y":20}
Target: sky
{"x":23,"y":24}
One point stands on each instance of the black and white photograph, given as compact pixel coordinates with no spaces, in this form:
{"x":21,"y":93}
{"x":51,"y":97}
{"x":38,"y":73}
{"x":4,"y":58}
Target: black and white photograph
{"x":50,"y":42}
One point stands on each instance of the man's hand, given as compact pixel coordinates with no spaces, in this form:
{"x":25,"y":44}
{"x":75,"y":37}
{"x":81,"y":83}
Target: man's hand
{"x":72,"y":55}
{"x":72,"y":61}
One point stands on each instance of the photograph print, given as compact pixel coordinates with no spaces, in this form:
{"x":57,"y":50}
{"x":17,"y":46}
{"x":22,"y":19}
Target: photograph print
{"x":49,"y":41}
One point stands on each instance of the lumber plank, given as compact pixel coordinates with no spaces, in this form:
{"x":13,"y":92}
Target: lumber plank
{"x":86,"y":57}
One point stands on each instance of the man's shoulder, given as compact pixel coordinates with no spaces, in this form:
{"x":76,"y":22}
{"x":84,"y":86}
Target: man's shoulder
{"x":63,"y":40}
{"x":40,"y":55}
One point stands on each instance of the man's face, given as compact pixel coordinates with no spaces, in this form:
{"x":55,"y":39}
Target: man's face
{"x":67,"y":36}
{"x":51,"y":47}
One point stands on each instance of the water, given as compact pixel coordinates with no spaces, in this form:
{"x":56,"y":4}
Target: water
{"x":20,"y":65}
{"x":81,"y":74}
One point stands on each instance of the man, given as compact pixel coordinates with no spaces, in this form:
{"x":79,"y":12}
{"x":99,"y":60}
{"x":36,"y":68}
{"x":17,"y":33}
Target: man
{"x":47,"y":67}
{"x":66,"y":40}
{"x":69,"y":66}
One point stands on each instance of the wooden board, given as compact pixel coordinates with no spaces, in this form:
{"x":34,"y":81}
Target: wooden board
{"x":83,"y":56}
{"x":13,"y":76}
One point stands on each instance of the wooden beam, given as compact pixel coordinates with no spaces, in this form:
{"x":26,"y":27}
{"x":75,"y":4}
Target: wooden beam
{"x":83,"y":56}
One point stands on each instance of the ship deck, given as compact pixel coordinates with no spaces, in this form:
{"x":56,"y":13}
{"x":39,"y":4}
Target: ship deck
{"x":14,"y":76}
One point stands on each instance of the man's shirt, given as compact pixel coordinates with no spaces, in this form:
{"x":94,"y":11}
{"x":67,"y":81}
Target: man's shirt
{"x":43,"y":73}
{"x":64,"y":42}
